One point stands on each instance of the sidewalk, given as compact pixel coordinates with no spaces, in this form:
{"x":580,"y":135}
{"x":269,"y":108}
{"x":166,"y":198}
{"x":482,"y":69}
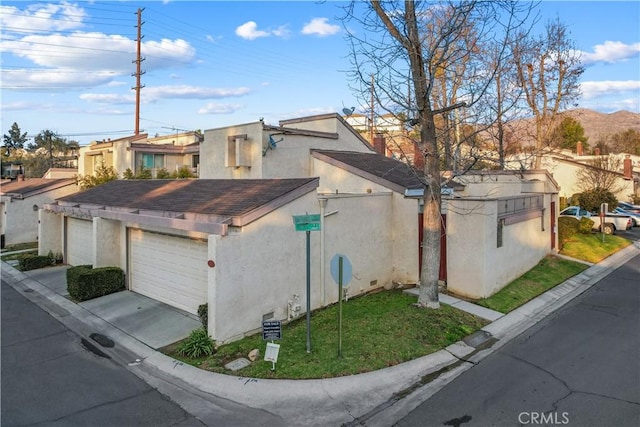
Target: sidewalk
{"x":375,"y":397}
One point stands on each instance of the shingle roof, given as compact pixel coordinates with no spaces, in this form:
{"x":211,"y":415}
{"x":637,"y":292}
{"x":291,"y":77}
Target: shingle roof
{"x":224,"y":197}
{"x":30,"y":186}
{"x":400,"y":175}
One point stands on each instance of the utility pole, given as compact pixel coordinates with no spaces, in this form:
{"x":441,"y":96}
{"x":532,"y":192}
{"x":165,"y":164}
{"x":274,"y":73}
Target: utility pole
{"x":139,"y":72}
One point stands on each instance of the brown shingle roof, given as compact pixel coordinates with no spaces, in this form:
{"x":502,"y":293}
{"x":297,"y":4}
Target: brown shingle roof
{"x":224,"y":197}
{"x":374,"y":165}
{"x":33,"y":186}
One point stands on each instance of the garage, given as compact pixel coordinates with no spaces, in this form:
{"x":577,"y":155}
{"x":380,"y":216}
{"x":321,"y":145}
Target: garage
{"x":167,"y":268}
{"x":79,"y":242}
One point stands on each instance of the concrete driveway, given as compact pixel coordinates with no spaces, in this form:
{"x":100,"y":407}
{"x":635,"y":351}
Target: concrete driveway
{"x":148,"y":321}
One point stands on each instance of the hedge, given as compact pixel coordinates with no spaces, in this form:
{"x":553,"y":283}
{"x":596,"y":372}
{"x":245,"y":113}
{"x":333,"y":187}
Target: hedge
{"x":567,"y":227}
{"x":31,"y":262}
{"x":85,"y":283}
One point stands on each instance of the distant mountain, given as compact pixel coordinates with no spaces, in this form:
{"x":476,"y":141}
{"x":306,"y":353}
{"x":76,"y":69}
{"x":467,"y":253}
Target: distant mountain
{"x":595,"y":124}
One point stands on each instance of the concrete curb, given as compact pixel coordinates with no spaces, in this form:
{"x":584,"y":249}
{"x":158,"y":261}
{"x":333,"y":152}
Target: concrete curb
{"x":372,"y":396}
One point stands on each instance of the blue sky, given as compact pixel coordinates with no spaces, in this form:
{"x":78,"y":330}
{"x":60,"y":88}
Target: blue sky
{"x":67,"y":66}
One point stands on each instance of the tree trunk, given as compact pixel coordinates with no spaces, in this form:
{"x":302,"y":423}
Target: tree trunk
{"x":431,"y":222}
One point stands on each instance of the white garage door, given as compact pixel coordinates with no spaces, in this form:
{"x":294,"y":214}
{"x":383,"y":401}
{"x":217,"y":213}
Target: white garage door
{"x":79,"y":242}
{"x":170,"y":269}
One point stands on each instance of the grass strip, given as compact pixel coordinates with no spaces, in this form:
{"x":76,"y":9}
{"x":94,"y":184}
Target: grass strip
{"x":593,"y":247}
{"x":378,"y":330}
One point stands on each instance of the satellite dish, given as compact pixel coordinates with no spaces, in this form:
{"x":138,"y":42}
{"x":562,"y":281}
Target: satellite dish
{"x":348,"y":111}
{"x":273,"y":143}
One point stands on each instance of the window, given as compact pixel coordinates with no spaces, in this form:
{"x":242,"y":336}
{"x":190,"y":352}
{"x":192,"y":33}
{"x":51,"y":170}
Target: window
{"x":238,"y":151}
{"x":152,"y":161}
{"x":195,"y":160}
{"x":500,"y":228}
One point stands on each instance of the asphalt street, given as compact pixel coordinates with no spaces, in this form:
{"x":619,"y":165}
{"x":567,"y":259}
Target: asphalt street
{"x":577,"y":367}
{"x":50,"y":378}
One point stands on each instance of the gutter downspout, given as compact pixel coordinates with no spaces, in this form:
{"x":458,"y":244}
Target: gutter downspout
{"x":323,"y":205}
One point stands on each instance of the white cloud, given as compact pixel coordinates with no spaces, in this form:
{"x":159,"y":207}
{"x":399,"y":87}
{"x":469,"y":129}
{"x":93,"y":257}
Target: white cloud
{"x":320,"y":27}
{"x":29,"y":79}
{"x":610,"y":52}
{"x":108,"y":98}
{"x":115,"y":83}
{"x":281,"y":31}
{"x":600,"y":88}
{"x":85,"y":59}
{"x":249,"y":30}
{"x":151,"y":94}
{"x":215,"y":108}
{"x":41,"y":17}
{"x":192,"y":92}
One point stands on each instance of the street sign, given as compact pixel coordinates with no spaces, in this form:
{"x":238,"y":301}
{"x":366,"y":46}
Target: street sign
{"x":271,"y":330}
{"x":307,"y":222}
{"x":346,"y":269}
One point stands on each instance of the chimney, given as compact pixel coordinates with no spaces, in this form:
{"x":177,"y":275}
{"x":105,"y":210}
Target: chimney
{"x":626,"y":166}
{"x":579,"y":148}
{"x":418,"y":157}
{"x":596,"y":151}
{"x":378,"y":144}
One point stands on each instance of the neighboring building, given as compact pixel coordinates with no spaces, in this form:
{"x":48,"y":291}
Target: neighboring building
{"x":567,"y":167}
{"x":170,"y":152}
{"x":20,"y":201}
{"x":500,"y":226}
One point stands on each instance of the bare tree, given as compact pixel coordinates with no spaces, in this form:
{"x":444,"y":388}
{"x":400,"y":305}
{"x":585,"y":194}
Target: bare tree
{"x":548,"y":70}
{"x":601,"y":172}
{"x":420,"y":42}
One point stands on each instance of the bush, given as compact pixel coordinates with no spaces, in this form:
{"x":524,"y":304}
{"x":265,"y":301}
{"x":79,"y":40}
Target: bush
{"x":586,"y":225}
{"x":203,"y":313}
{"x":567,"y":228}
{"x":197,"y":345}
{"x":85,"y":283}
{"x":592,"y":199}
{"x":28,"y":262}
{"x":183,"y":172}
{"x":163,"y":174}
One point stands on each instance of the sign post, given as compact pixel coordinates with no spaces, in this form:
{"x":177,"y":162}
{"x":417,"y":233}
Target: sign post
{"x":341,"y":272}
{"x":271,"y":330}
{"x":308,"y":223}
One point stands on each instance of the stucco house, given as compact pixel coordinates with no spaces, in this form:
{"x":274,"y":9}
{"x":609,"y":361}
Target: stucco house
{"x":20,"y":201}
{"x":498,"y":226}
{"x":170,"y":152}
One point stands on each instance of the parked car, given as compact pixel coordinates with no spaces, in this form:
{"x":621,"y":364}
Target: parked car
{"x":635,"y":216}
{"x":612,"y":222}
{"x":629,"y":207}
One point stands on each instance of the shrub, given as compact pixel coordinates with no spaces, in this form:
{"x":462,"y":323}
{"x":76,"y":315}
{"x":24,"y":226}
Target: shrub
{"x":592,"y":199}
{"x":586,"y":225}
{"x":183,"y":172}
{"x":28,"y":262}
{"x":567,"y":228}
{"x":163,"y":174}
{"x":203,"y":313}
{"x":55,"y":258}
{"x":197,"y":345}
{"x":85,"y":283}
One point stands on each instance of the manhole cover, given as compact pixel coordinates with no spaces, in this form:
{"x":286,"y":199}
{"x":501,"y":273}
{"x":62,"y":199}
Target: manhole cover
{"x":102,"y":340}
{"x":237,"y":364}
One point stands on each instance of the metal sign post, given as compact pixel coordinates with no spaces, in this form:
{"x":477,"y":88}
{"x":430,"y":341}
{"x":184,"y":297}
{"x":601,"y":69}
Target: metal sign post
{"x":341,"y":271}
{"x":308,"y":223}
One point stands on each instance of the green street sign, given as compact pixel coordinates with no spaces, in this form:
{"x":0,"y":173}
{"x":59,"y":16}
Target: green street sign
{"x":307,"y":222}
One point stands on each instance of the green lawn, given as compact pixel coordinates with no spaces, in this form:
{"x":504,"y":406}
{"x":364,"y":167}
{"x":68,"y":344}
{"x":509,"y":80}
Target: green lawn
{"x":20,"y":246}
{"x":18,"y":255}
{"x":593,"y":247}
{"x":549,"y":272}
{"x":379,"y":330}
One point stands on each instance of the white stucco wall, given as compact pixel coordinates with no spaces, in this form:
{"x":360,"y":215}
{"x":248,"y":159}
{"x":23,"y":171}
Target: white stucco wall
{"x":50,"y":232}
{"x":258,"y":268}
{"x":289,"y":160}
{"x":567,"y":176}
{"x":477,"y":268}
{"x":21,"y":221}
